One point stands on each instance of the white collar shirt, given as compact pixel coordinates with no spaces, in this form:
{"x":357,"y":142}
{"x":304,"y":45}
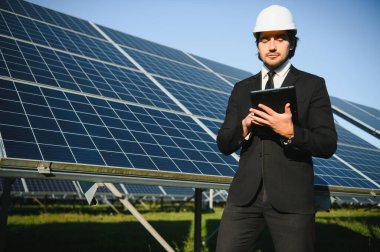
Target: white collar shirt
{"x":280,"y":74}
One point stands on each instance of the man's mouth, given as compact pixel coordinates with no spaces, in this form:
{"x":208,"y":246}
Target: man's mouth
{"x":272,"y":55}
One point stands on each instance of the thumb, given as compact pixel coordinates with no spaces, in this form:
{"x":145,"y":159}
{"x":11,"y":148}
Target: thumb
{"x":287,"y":109}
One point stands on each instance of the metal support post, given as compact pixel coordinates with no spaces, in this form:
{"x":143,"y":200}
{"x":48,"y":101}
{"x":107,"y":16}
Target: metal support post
{"x":5,"y":202}
{"x":198,"y":220}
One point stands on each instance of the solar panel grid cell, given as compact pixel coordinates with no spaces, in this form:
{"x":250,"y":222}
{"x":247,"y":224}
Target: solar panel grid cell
{"x":224,"y":69}
{"x":171,"y":69}
{"x":50,"y":186}
{"x":43,"y":34}
{"x":364,"y":114}
{"x":45,"y":66}
{"x":199,"y":101}
{"x":16,"y":186}
{"x":148,"y":46}
{"x":49,"y":16}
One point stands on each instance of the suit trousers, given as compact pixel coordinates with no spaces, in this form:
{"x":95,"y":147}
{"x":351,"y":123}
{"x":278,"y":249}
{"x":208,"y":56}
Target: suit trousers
{"x":241,"y":227}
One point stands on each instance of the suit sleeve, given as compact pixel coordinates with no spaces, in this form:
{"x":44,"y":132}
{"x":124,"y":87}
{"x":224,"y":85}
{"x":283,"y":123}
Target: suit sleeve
{"x":320,"y":138}
{"x":230,"y":135}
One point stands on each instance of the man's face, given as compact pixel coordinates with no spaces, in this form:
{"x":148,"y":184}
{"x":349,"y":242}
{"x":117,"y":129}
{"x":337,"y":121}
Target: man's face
{"x":273,"y":48}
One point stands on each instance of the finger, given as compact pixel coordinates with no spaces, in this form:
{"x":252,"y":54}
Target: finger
{"x":287,"y":108}
{"x":257,"y":123}
{"x":261,"y":114}
{"x":267,"y":109}
{"x":260,"y":120}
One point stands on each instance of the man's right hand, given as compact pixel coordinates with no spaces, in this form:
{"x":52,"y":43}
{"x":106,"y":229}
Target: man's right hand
{"x":247,"y":123}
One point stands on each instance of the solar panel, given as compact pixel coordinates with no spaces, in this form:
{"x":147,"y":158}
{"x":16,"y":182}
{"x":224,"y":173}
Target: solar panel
{"x":100,"y":132}
{"x":46,"y":186}
{"x":36,"y":12}
{"x":226,"y":71}
{"x":365,"y":117}
{"x":129,"y":41}
{"x":16,"y":187}
{"x":139,"y":189}
{"x":80,"y":99}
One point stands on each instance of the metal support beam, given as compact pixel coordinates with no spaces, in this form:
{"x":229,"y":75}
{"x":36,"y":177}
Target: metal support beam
{"x":5,"y":202}
{"x":198,"y":220}
{"x":40,"y":203}
{"x":211,"y":199}
{"x":143,"y":204}
{"x":110,"y":204}
{"x":139,"y":217}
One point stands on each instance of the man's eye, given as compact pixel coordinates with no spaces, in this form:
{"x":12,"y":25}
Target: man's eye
{"x":264,"y":40}
{"x":281,"y":38}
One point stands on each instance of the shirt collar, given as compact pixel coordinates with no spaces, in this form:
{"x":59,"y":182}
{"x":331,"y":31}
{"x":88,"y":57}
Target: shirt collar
{"x":281,"y":70}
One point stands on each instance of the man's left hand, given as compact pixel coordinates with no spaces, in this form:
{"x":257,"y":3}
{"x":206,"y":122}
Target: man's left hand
{"x":282,"y":124}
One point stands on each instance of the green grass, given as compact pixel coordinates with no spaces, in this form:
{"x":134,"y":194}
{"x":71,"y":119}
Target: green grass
{"x":84,"y":228}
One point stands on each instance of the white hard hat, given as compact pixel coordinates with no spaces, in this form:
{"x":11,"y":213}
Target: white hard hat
{"x":274,"y":18}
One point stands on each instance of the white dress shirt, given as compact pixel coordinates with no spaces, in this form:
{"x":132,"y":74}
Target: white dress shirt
{"x":278,"y":78}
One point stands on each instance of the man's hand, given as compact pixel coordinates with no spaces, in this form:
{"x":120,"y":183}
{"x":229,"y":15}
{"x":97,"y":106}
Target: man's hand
{"x":247,"y":122}
{"x":282,"y":124}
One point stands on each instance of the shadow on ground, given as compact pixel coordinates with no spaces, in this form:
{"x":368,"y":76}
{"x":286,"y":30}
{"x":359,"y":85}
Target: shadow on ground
{"x":95,"y":237}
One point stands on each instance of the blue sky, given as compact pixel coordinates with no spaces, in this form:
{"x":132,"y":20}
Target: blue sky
{"x":339,"y":39}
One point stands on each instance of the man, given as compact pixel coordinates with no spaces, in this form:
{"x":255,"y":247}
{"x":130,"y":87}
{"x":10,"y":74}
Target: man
{"x":274,"y":183}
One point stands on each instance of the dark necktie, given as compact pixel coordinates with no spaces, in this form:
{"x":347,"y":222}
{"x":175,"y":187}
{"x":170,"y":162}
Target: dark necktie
{"x":270,"y":83}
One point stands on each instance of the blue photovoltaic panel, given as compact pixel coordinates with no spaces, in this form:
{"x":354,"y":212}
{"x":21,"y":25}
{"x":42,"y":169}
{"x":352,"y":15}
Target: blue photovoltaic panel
{"x":231,"y":80}
{"x":50,"y":186}
{"x":200,"y":101}
{"x":43,"y":34}
{"x":37,"y":64}
{"x":44,"y":124}
{"x":177,"y":71}
{"x":365,"y":160}
{"x":345,"y":137}
{"x":214,"y":126}
{"x":369,"y":116}
{"x":49,"y":16}
{"x":138,"y":189}
{"x":148,"y":46}
{"x":332,"y":172}
{"x":16,"y":186}
{"x":224,"y":69}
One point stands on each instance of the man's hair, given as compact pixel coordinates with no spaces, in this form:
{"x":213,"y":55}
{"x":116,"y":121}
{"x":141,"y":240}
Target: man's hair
{"x":293,"y":39}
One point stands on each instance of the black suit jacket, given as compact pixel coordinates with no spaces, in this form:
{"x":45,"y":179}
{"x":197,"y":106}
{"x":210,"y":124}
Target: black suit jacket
{"x":287,"y":172}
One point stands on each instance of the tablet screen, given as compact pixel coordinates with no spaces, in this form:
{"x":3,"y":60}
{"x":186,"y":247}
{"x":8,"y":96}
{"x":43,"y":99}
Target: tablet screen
{"x":276,"y":99}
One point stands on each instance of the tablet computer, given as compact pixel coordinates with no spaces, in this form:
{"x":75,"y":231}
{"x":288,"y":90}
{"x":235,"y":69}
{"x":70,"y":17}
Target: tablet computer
{"x":276,"y":98}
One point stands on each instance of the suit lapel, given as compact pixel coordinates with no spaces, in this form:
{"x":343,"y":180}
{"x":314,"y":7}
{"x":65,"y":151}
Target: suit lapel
{"x":256,"y":82}
{"x":291,"y":78}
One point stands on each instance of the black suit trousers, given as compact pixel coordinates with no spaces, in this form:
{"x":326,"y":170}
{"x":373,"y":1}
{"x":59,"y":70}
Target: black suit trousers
{"x":241,"y":227}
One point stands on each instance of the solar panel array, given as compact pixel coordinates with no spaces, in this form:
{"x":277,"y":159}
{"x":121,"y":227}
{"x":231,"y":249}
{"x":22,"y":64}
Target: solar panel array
{"x":66,"y":189}
{"x":365,"y":117}
{"x":99,"y":102}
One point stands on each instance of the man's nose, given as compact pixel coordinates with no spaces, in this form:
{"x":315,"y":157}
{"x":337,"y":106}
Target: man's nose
{"x":272,"y":44}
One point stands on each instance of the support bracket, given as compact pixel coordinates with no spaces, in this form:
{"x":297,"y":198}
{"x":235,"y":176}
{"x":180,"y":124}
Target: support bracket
{"x":44,"y":168}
